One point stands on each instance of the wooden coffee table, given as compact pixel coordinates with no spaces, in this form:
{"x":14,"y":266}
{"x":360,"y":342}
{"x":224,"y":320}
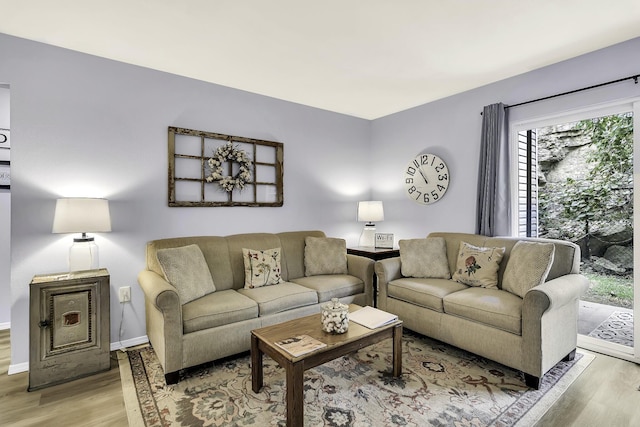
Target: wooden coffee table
{"x":357,"y":337}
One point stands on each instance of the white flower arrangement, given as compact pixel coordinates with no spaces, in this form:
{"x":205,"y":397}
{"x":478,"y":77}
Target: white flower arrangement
{"x":229,"y":153}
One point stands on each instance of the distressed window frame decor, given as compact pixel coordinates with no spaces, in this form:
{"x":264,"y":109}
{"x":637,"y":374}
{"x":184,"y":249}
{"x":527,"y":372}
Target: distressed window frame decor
{"x":211,"y":191}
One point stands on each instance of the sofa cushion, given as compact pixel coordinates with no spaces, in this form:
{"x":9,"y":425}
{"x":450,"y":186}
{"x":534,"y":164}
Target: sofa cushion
{"x":332,"y":285}
{"x":423,"y":292}
{"x":281,"y":297}
{"x":478,"y":266}
{"x":325,"y":255}
{"x":262,"y":267}
{"x":528,"y":266}
{"x":493,"y":307}
{"x":424,"y":258}
{"x":292,"y":243}
{"x":186,"y":269}
{"x":217,"y":309}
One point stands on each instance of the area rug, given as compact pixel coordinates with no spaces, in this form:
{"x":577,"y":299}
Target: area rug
{"x":617,"y":328}
{"x":440,"y":386}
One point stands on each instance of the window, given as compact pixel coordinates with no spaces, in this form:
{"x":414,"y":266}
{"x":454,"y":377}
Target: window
{"x":527,"y":183}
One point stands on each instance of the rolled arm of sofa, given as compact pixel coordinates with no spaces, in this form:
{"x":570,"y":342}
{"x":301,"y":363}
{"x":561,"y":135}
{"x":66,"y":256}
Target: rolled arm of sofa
{"x":386,"y":270}
{"x":549,"y":321}
{"x":555,"y":293}
{"x":362,"y":268}
{"x":164,"y":319}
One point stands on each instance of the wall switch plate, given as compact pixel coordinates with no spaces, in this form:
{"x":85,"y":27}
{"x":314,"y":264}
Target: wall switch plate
{"x":125,"y":294}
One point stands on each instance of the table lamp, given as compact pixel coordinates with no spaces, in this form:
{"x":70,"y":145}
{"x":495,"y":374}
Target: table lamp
{"x":369,"y":212}
{"x":82,"y":215}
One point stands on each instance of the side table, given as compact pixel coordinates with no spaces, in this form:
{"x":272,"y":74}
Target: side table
{"x":69,"y":330}
{"x":375,"y":254}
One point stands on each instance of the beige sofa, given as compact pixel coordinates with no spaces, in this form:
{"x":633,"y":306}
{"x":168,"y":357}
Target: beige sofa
{"x":218,"y":324}
{"x":530,"y":333}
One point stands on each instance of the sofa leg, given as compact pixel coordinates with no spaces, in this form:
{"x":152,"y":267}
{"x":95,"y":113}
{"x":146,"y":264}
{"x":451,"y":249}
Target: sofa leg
{"x":569,"y":357}
{"x":531,"y":381}
{"x":172,"y":377}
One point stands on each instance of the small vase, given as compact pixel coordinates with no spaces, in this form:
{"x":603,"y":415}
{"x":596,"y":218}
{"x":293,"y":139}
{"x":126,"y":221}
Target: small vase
{"x":335,"y":317}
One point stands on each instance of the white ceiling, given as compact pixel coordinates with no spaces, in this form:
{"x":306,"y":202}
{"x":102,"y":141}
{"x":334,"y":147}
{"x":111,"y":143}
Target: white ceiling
{"x":365,"y":58}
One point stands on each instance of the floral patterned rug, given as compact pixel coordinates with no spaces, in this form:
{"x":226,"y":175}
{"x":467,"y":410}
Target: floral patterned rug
{"x":440,"y":386}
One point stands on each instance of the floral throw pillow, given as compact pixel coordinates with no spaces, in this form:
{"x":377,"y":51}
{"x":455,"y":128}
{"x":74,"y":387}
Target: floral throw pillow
{"x":261,"y":268}
{"x":478,"y":266}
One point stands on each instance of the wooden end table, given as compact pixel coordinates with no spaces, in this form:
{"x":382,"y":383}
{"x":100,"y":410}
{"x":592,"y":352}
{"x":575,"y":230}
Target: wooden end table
{"x":357,"y":337}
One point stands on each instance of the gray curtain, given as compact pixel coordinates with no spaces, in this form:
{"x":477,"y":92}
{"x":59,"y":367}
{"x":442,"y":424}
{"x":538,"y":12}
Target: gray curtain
{"x":494,"y":206}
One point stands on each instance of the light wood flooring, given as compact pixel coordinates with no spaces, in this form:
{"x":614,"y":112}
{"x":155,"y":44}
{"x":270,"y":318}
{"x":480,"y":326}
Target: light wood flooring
{"x":606,"y":394}
{"x":91,"y":401}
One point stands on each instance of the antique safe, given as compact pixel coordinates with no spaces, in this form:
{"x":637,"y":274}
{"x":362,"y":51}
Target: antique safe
{"x":69,"y":327}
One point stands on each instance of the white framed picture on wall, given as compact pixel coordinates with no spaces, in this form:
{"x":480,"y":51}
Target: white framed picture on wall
{"x":5,"y":174}
{"x":5,"y":145}
{"x":5,"y":139}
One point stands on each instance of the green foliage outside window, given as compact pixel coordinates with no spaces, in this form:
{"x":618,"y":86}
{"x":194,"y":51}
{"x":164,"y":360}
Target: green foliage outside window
{"x":576,"y":208}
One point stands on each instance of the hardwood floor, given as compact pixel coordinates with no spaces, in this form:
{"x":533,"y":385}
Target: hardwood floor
{"x":606,"y":394}
{"x":91,"y":401}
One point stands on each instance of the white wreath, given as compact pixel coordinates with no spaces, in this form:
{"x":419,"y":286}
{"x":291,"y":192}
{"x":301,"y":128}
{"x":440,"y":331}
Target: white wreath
{"x":229,"y":153}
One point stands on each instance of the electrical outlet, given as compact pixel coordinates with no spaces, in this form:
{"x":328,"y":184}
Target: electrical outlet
{"x":125,"y":294}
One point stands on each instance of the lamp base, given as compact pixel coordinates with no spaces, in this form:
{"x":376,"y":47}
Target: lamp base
{"x":83,"y":254}
{"x":368,"y":236}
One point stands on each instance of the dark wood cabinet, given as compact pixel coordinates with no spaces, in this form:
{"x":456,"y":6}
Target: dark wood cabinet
{"x":375,"y":254}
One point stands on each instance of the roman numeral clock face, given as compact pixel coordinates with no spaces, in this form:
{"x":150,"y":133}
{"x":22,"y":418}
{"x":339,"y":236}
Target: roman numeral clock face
{"x":426,"y":179}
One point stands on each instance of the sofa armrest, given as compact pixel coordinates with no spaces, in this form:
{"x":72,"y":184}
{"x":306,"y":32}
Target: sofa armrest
{"x":554,"y":294}
{"x":362,"y":268}
{"x":564,"y":289}
{"x":164,"y":319}
{"x":549,"y":321}
{"x":386,"y":270}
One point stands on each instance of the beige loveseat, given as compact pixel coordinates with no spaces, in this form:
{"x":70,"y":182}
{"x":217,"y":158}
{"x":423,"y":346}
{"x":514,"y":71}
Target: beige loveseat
{"x":218,"y":323}
{"x":530,"y":332}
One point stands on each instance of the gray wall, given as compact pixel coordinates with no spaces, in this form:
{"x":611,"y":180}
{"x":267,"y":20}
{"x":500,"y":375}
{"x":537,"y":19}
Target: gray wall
{"x":87,"y":126}
{"x":83,"y":125}
{"x":5,"y":222}
{"x":451,"y":128}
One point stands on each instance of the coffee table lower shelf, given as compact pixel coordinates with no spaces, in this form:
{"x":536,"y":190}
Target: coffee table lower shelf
{"x":357,"y":337}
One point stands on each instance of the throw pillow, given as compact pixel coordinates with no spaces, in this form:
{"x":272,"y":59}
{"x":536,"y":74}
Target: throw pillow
{"x":528,"y":266}
{"x":261,"y":268}
{"x":424,"y":258}
{"x":325,"y":255}
{"x":477,"y":266}
{"x":187,"y":270}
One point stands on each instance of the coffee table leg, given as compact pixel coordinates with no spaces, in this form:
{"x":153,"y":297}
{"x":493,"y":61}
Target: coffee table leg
{"x":295,"y":394}
{"x":256,"y":365}
{"x":397,"y":351}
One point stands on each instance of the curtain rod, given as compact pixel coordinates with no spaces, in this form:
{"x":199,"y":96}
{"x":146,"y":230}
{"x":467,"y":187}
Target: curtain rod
{"x":634,"y":78}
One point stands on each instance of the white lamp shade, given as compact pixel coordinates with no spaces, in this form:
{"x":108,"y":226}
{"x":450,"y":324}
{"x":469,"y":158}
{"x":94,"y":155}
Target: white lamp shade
{"x":81,"y":215}
{"x":370,"y":211}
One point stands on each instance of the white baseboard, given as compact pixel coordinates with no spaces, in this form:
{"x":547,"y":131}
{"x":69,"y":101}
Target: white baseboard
{"x":129,"y":343}
{"x":17,"y":368}
{"x":5,"y":326}
{"x":24,"y":367}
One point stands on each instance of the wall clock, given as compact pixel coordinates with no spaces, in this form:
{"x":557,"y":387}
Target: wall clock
{"x":426,"y":179}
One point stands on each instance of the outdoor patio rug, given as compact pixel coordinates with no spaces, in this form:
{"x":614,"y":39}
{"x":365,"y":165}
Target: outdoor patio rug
{"x":617,"y":328}
{"x":440,"y":386}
